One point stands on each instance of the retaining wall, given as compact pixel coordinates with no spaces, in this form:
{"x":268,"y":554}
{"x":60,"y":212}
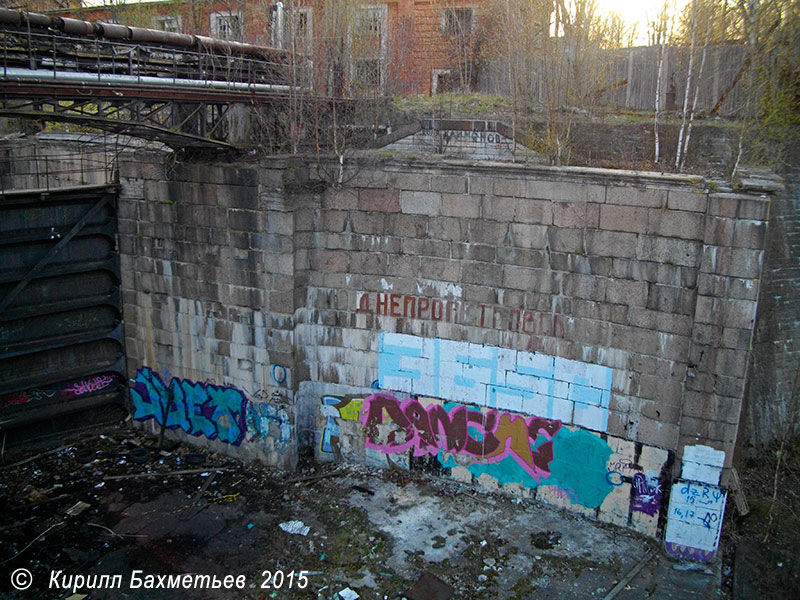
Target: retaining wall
{"x":562,"y":333}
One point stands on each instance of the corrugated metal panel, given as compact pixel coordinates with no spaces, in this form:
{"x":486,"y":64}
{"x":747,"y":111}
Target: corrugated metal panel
{"x":61,"y":341}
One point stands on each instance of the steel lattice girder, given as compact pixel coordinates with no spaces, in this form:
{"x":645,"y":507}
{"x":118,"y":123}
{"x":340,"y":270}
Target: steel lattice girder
{"x":187,"y":118}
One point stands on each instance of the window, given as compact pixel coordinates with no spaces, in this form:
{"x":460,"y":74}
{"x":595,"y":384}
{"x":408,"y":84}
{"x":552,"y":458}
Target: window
{"x":368,"y":73}
{"x":371,"y":20}
{"x":442,"y":82}
{"x":227,"y":25}
{"x":368,"y":44}
{"x":457,"y":21}
{"x":287,"y":26}
{"x":302,"y":29}
{"x":168,"y":23}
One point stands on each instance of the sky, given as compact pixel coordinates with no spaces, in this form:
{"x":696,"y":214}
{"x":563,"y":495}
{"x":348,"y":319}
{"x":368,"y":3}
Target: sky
{"x":637,"y":11}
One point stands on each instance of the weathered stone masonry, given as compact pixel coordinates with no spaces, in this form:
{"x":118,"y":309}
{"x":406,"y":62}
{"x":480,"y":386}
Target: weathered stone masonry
{"x":469,"y":319}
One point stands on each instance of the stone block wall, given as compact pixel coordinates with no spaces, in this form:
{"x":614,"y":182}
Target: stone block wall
{"x":207,"y":257}
{"x":559,"y":333}
{"x":771,"y":412}
{"x":477,"y":140}
{"x":619,"y":305}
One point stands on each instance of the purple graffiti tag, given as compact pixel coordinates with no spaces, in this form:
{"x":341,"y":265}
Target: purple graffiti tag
{"x":689,"y":553}
{"x":646,"y":494}
{"x":491,"y":436}
{"x":63,"y":390}
{"x":95,"y":384}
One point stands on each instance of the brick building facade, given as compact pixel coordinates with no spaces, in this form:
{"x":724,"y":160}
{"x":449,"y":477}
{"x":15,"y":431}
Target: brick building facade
{"x":404,"y":47}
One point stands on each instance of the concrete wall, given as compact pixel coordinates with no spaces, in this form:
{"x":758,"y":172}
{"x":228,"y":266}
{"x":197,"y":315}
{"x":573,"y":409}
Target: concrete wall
{"x":477,"y":140}
{"x":562,"y":333}
{"x":771,"y":411}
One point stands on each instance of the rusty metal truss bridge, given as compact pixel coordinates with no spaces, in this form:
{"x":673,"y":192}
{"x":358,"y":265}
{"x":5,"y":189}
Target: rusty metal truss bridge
{"x":182,"y":90}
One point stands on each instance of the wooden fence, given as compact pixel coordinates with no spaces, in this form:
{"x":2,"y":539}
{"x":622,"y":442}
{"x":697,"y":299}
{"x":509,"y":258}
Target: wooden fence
{"x":626,"y":79}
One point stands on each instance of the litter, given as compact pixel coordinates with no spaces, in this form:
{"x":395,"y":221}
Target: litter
{"x":348,"y":594}
{"x":76,"y":508}
{"x":295,"y":527}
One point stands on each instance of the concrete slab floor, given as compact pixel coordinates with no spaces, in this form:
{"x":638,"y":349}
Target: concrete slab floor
{"x":371,"y":532}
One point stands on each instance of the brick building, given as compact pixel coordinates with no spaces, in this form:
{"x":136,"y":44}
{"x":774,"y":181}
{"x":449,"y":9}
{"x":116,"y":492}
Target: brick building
{"x":402,"y":47}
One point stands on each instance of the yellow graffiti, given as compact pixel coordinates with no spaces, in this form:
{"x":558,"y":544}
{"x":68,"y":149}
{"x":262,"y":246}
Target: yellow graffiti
{"x":351,"y":410}
{"x":517,"y":430}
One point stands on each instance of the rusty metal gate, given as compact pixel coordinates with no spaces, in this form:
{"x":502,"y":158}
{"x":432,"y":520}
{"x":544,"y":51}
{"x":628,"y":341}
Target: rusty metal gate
{"x":61,"y":340}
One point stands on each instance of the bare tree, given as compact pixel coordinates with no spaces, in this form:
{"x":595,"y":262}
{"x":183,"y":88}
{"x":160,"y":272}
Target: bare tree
{"x":681,"y":155}
{"x":689,"y":74}
{"x":659,"y":33}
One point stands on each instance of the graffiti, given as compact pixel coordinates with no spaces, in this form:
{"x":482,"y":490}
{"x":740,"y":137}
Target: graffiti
{"x":477,"y":137}
{"x":536,"y":384}
{"x":565,"y":494}
{"x":492,"y":316}
{"x":330,"y":433}
{"x":615,"y":478}
{"x":623,"y":464}
{"x":95,"y":384}
{"x":694,"y":519}
{"x":64,"y":390}
{"x":16,"y":398}
{"x":261,"y":416}
{"x":337,"y":407}
{"x":219,"y":413}
{"x":646,"y":494}
{"x":279,"y":374}
{"x":688,"y":553}
{"x":490,"y":436}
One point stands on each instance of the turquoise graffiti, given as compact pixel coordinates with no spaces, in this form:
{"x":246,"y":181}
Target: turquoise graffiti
{"x":578,"y":466}
{"x":262,"y":418}
{"x":219,"y":413}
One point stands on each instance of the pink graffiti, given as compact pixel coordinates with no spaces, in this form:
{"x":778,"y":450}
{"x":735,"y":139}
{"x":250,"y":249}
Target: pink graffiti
{"x":429,"y":430}
{"x":565,"y":494}
{"x":95,"y":384}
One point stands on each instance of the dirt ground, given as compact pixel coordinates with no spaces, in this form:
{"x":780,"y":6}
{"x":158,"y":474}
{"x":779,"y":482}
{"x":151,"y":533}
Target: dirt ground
{"x":111,"y":504}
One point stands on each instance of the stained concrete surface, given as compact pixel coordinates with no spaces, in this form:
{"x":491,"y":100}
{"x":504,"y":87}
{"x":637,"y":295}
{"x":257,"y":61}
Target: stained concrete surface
{"x":373,"y":531}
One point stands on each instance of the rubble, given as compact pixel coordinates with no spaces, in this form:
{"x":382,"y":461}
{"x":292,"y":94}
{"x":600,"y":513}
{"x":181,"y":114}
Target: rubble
{"x":381,"y":534}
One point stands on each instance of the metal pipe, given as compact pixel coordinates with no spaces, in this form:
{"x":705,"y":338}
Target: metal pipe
{"x":12,"y":73}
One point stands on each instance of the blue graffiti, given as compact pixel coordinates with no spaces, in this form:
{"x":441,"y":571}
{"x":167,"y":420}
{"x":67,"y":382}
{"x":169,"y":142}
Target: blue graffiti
{"x":548,"y":386}
{"x":279,"y":374}
{"x":217,"y":412}
{"x":579,"y":465}
{"x":261,"y":415}
{"x":331,"y":429}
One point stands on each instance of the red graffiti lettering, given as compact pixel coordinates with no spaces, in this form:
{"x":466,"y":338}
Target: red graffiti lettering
{"x":394,"y":305}
{"x":412,"y":302}
{"x":484,"y":315}
{"x":380,"y":304}
{"x":363,"y":304}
